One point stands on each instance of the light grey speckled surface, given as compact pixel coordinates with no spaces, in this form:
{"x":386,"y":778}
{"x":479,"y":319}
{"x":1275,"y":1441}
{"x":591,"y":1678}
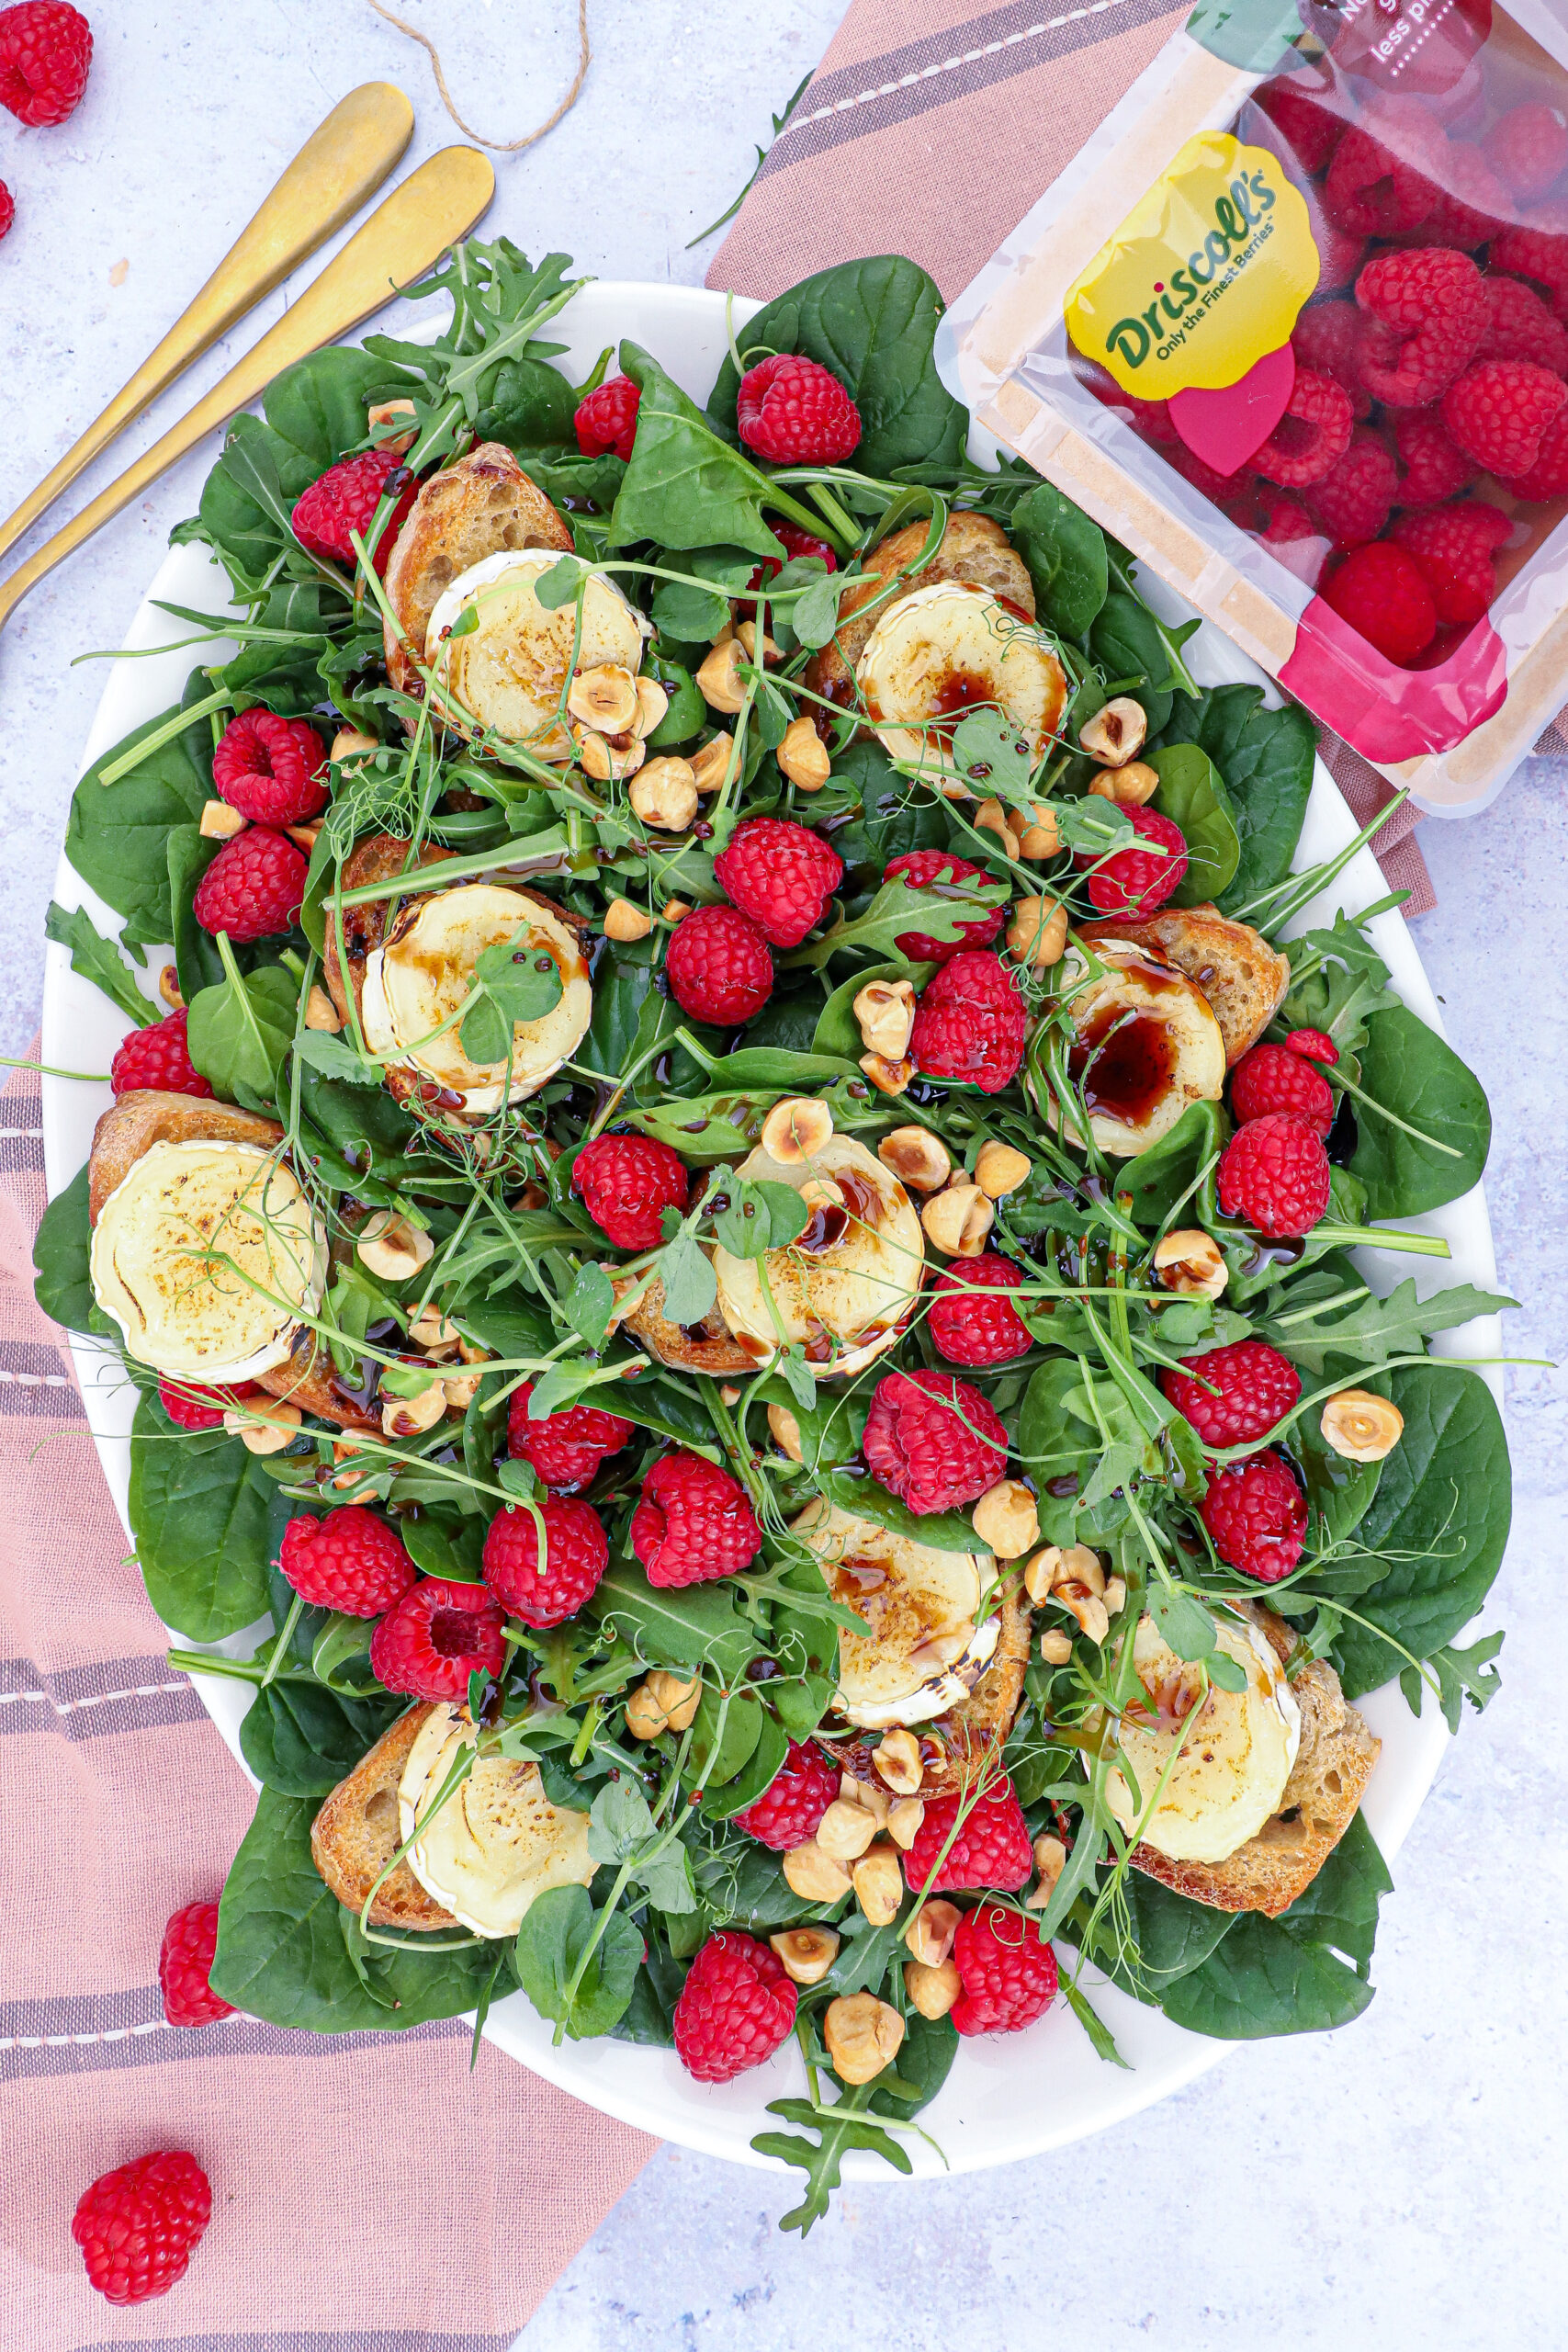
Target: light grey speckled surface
{"x":1396,"y":2183}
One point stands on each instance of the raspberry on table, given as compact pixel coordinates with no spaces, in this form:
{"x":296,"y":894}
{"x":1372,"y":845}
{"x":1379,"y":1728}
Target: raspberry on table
{"x":926,"y":869}
{"x":577,"y":1553}
{"x":1499,"y":411}
{"x":1274,"y":1174}
{"x":719,"y":965}
{"x":990,"y":1847}
{"x":791,"y":1807}
{"x":606,"y":419}
{"x":934,"y":1439}
{"x":138,"y":2225}
{"x":439,"y":1633}
{"x":566,"y":1448}
{"x":793,"y":412}
{"x":1528,"y":148}
{"x":272,"y":770}
{"x":693,"y":1522}
{"x":626,"y":1182}
{"x":781,"y":873}
{"x":1382,"y":594}
{"x":1547,"y":478}
{"x":971,"y":1023}
{"x":1355,"y":498}
{"x":352,"y":1561}
{"x":1272,"y":1078}
{"x":157,"y":1055}
{"x":1436,"y":468}
{"x":1234,"y":1396}
{"x":344,"y":499}
{"x":254,"y":887}
{"x":1455,"y":546}
{"x":736,"y":2006}
{"x":1136,"y":881}
{"x":1327,"y":338}
{"x":193,"y":1407}
{"x":1521,"y":325}
{"x":1007,"y":1970}
{"x":7,"y":209}
{"x":46,"y":49}
{"x":1257,"y":1516}
{"x":1435,"y":301}
{"x":972,"y":1320}
{"x":1311,"y":438}
{"x":184,"y":1963}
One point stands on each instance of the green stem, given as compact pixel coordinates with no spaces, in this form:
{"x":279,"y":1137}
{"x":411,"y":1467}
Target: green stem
{"x":1383,"y":1237}
{"x":155,"y":741}
{"x":1348,"y":1086}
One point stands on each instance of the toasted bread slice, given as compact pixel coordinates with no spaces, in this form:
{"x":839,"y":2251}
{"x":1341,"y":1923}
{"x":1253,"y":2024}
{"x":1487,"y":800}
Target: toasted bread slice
{"x":1332,"y":1765}
{"x":1232,"y":966}
{"x":310,"y":1380}
{"x":965,"y":1745}
{"x":973,"y":549}
{"x":147,"y":1116}
{"x":478,"y":507}
{"x":378,"y":859}
{"x":354,"y":1836}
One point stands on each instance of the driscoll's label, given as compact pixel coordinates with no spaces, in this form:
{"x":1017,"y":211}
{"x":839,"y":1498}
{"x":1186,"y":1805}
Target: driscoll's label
{"x":1206,"y":276}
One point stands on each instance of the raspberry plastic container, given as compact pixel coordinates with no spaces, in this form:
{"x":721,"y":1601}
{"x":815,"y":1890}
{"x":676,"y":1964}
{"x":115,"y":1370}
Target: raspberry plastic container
{"x":1338,"y":310}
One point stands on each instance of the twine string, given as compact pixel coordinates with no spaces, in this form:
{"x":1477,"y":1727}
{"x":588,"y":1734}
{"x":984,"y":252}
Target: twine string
{"x":500,"y":146}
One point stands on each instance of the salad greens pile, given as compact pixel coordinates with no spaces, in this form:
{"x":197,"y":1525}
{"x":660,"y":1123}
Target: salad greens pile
{"x":1400,"y":1553}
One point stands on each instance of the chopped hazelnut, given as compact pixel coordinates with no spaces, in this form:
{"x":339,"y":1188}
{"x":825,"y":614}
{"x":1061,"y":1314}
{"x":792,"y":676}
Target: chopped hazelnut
{"x":796,"y":1130}
{"x":897,"y":1759}
{"x":1038,"y":932}
{"x":169,"y":988}
{"x":1006,"y":1520}
{"x":652,"y":707}
{"x":1043,"y":836}
{"x":919,"y":1159}
{"x":904,"y":1819}
{"x":862,"y":2036}
{"x":604,"y":697}
{"x":320,"y":1013}
{"x":846,"y":1830}
{"x":1115,"y":733}
{"x":219,"y":822}
{"x":813,"y":1874}
{"x":931,"y":1932}
{"x":710,"y":762}
{"x":718,"y":680}
{"x":1055,"y":1647}
{"x":885,"y":1011}
{"x":1190,"y":1262}
{"x":807,"y":1953}
{"x":625,"y":922}
{"x":665,"y":793}
{"x":263,"y":1429}
{"x":412,"y":1416}
{"x":394,"y":1247}
{"x":932,"y":1991}
{"x":992,"y":817}
{"x":999,"y":1169}
{"x":1361,"y":1427}
{"x":879,"y":1885}
{"x":785,"y":1431}
{"x":888,"y":1077}
{"x":803,"y":756}
{"x":958,"y":1219}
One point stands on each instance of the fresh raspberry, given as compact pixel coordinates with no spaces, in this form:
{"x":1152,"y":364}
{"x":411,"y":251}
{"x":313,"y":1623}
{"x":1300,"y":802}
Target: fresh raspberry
{"x":350,"y":1561}
{"x":926,"y":869}
{"x":1469,"y":204}
{"x":607,"y":419}
{"x":790,"y":1807}
{"x":1327,"y":341}
{"x":1436,"y":468}
{"x":1255,"y":1517}
{"x":990,"y":1848}
{"x":1383,"y":177}
{"x":796,"y":412}
{"x":190,"y":1407}
{"x":1311,"y":438}
{"x":1353,"y":502}
{"x":1206,"y":480}
{"x":1340,"y":253}
{"x":1382,"y":594}
{"x":1300,"y":105}
{"x":1499,"y":411}
{"x":157,"y":1055}
{"x":1314,"y":1045}
{"x":272,"y":770}
{"x":7,"y":209}
{"x":796,"y":542}
{"x":933,"y":1440}
{"x":1008,"y":1972}
{"x":438,"y":1633}
{"x":1290,"y":535}
{"x":1540,"y":251}
{"x":344,"y":499}
{"x":969,"y":1323}
{"x":736,"y":2006}
{"x":627,"y":1182}
{"x":1435,"y":301}
{"x":183,"y":1965}
{"x":1547,"y":478}
{"x":1521,"y":327}
{"x":1528,"y":148}
{"x":693,"y":1522}
{"x":1136,"y":881}
{"x":564,"y":1449}
{"x":45,"y":50}
{"x":138,"y":2225}
{"x":254,"y":887}
{"x":1256,"y":1387}
{"x":719,"y":967}
{"x":1274,"y":1174}
{"x":971,"y":1022}
{"x":1271,"y":1078}
{"x":577,"y":1553}
{"x":1455,"y":546}
{"x":780,"y":874}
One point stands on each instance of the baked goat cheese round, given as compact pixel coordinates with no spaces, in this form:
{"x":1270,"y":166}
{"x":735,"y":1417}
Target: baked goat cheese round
{"x":1235,"y":1758}
{"x":1147,"y":1045}
{"x":206,"y":1254}
{"x":931,"y":1631}
{"x":509,"y":669}
{"x":497,"y":1842}
{"x":943,"y":650}
{"x":424,"y":967}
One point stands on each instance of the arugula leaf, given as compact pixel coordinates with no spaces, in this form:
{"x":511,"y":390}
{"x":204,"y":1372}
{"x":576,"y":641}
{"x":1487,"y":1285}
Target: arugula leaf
{"x":1462,"y":1675}
{"x":556,"y":1930}
{"x":62,"y":1250}
{"x":1376,"y":1329}
{"x":335,"y":1058}
{"x":897,"y":907}
{"x":99,"y":960}
{"x":696,"y":1626}
{"x":836,"y":2130}
{"x":684,"y":487}
{"x":1337,"y":980}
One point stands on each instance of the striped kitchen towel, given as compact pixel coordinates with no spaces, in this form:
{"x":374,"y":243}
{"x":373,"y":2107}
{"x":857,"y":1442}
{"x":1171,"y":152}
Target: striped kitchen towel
{"x":931,"y":130}
{"x":369,"y":2193}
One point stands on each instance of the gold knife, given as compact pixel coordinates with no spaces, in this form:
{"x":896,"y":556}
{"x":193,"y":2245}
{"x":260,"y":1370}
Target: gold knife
{"x":404,"y":236}
{"x":340,"y":166}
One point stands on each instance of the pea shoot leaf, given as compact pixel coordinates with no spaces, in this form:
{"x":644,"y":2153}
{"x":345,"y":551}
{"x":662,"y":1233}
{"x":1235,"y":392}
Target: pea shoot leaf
{"x":519,"y":983}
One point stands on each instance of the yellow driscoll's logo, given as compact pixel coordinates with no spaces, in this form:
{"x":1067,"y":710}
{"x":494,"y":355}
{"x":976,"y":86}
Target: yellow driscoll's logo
{"x":1206,"y":276}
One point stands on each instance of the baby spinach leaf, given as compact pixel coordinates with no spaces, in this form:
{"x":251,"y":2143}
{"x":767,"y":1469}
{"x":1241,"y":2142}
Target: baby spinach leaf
{"x":1407,"y":1068}
{"x":114,"y":834}
{"x":723,"y":1737}
{"x":314,"y":412}
{"x":1125,"y":643}
{"x":1193,"y":797}
{"x":695,"y":1625}
{"x":924,"y":2062}
{"x":302,"y":1739}
{"x":197,"y":964}
{"x":873,"y":323}
{"x":684,"y":487}
{"x":687,"y":712}
{"x":1339,"y":1491}
{"x":205,"y":1520}
{"x":445,"y":1543}
{"x":1339,"y":1908}
{"x":63,"y":1283}
{"x":1262,"y":1980}
{"x":99,"y":960}
{"x":1462,"y":1675}
{"x":1175,"y":1934}
{"x":760,"y":1770}
{"x":238,"y":1032}
{"x":1265,"y":758}
{"x":1066,"y":554}
{"x":557,"y":1929}
{"x":945,"y":1530}
{"x":1338,"y":980}
{"x":1159,"y":1177}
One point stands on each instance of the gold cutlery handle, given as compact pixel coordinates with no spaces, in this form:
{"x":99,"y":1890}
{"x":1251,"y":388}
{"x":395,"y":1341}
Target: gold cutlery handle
{"x":339,"y":168}
{"x":403,"y":237}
